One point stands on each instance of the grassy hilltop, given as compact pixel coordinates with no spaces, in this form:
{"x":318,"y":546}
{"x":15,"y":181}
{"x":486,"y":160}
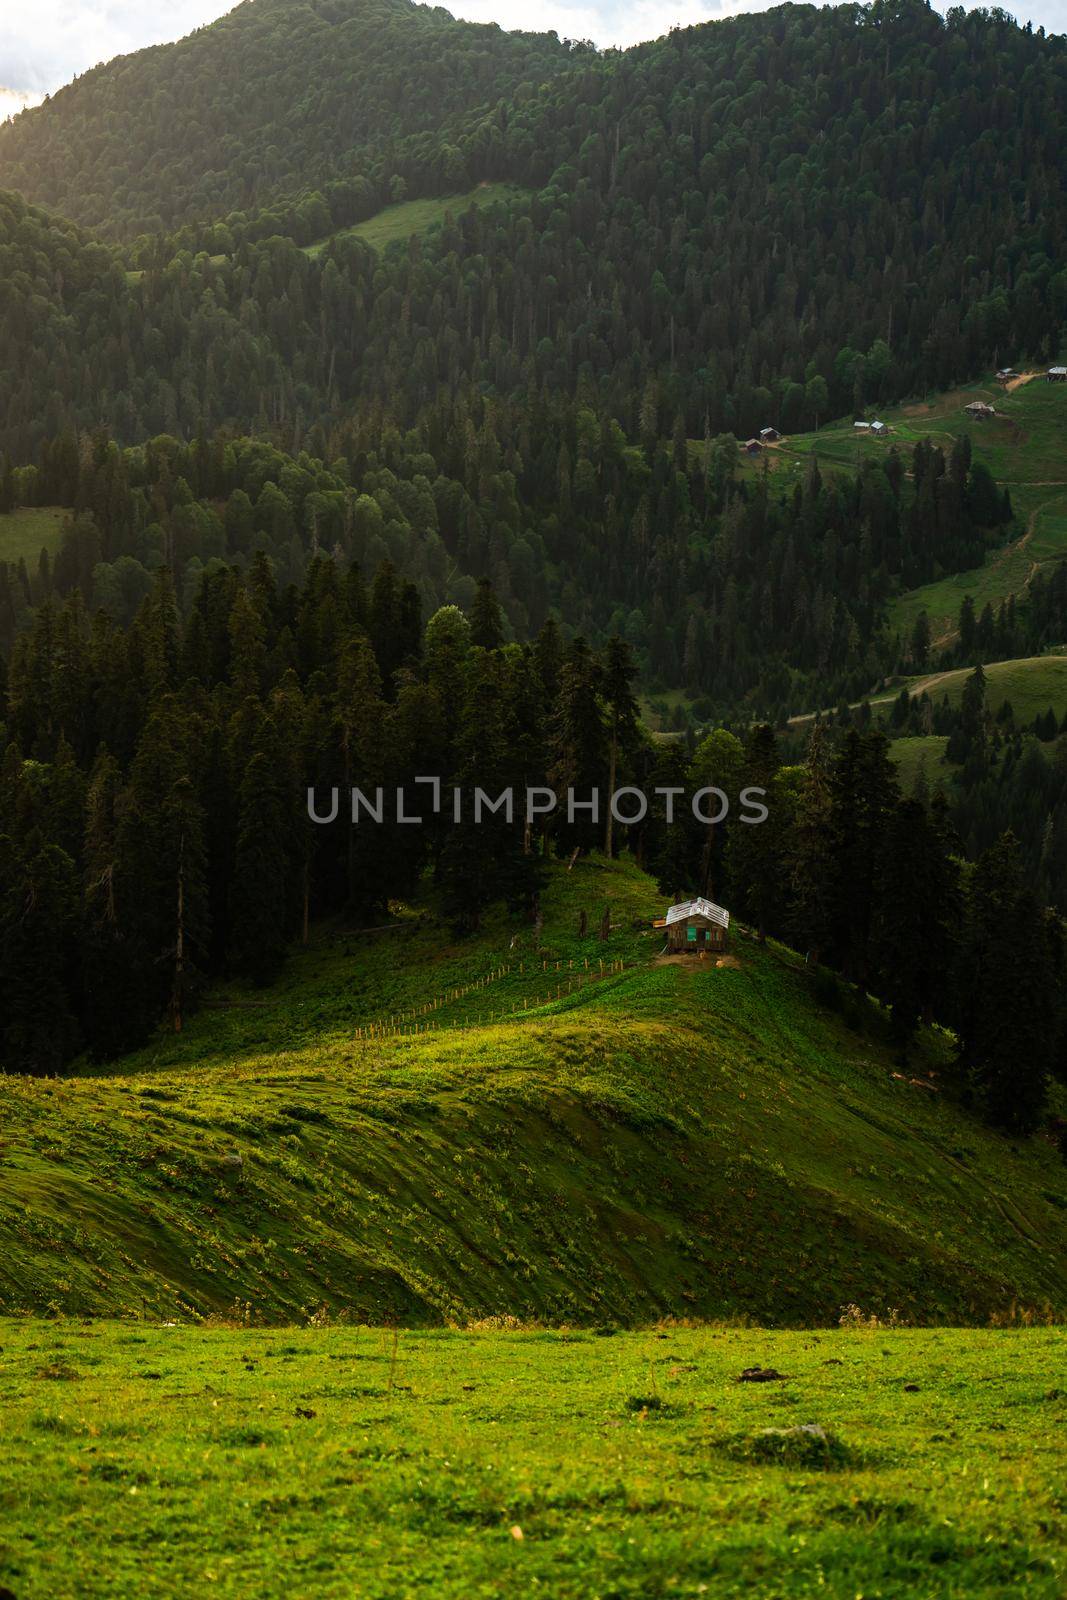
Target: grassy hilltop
{"x":556,"y":1142}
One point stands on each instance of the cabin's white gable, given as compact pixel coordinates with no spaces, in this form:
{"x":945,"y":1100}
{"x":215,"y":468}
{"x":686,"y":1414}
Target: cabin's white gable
{"x":698,"y":908}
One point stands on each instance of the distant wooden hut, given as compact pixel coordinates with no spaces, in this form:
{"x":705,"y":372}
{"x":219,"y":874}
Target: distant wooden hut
{"x":862,"y":427}
{"x":879,"y":429}
{"x":696,"y":927}
{"x":1057,"y":374}
{"x":769,"y":435}
{"x":752,"y":447}
{"x":980,"y":410}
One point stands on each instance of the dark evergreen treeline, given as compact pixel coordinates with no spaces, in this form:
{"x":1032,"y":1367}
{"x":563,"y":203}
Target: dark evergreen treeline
{"x":729,"y":587}
{"x":999,"y":774}
{"x":154,"y":828}
{"x":877,"y":887}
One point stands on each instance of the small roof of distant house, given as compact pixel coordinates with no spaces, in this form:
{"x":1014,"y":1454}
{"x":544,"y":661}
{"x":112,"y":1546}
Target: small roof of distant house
{"x":1057,"y":372}
{"x":979,"y":408}
{"x":769,"y":433}
{"x":866,"y":427}
{"x":753,"y":444}
{"x":697,"y":908}
{"x":879,"y":427}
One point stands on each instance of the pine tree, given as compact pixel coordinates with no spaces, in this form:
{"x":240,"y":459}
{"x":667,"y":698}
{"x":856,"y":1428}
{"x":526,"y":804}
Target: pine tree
{"x":756,"y":848}
{"x":160,"y":888}
{"x":487,"y":625}
{"x":110,"y":965}
{"x":1007,"y":1023}
{"x":38,"y":932}
{"x":863,"y":792}
{"x":620,"y":703}
{"x":258,"y":894}
{"x":482,"y":852}
{"x":900,"y":923}
{"x":579,"y":751}
{"x":810,"y":854}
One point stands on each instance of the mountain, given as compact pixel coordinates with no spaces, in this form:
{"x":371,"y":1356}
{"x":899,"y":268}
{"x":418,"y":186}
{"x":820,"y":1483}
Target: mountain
{"x":656,"y":1142}
{"x":277,"y":97}
{"x":771,"y":219}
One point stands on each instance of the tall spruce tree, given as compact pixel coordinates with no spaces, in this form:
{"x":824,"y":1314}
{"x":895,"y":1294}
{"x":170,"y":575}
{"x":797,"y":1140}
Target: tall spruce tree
{"x":258,"y":897}
{"x":620,"y":704}
{"x":1007,"y":1022}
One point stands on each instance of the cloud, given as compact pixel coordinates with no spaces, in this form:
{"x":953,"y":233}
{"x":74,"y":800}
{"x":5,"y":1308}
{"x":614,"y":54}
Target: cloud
{"x":45,"y":43}
{"x":609,"y":22}
{"x":12,"y":101}
{"x":604,"y":24}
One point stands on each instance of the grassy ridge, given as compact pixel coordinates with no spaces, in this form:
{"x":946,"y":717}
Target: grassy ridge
{"x":1031,"y":684}
{"x":331,"y":1461}
{"x":666,"y":1140}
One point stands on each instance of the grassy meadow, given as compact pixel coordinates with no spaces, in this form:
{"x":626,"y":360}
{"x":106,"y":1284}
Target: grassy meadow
{"x":923,"y":753}
{"x":434,"y":1269}
{"x":399,"y":222}
{"x":377,"y":1465}
{"x":29,"y":530}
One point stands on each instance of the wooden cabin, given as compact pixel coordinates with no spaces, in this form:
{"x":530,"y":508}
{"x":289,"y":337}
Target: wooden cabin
{"x":769,"y":435}
{"x":979,"y":409}
{"x":1057,"y":374}
{"x":753,"y":447}
{"x":879,"y":429}
{"x":696,"y":927}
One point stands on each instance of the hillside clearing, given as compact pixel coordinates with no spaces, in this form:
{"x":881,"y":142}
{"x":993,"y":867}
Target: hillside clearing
{"x":29,"y":530}
{"x":399,"y":222}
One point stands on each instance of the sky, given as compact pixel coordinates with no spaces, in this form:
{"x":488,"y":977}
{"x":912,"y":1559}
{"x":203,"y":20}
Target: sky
{"x":45,"y":43}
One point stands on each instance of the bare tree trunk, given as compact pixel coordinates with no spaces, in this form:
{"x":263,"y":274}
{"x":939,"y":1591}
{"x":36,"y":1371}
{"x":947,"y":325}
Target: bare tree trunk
{"x":179,"y":943}
{"x":609,"y":826}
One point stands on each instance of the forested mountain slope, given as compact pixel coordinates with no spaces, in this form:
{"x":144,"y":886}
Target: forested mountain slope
{"x":276,"y":97}
{"x":772,"y":219}
{"x":767,"y":221}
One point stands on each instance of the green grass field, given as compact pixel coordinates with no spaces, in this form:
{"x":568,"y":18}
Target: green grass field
{"x":417,"y":216}
{"x":925,"y":753}
{"x":28,"y":531}
{"x":333,"y":1461}
{"x":436,"y":1267}
{"x":552,"y":1143}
